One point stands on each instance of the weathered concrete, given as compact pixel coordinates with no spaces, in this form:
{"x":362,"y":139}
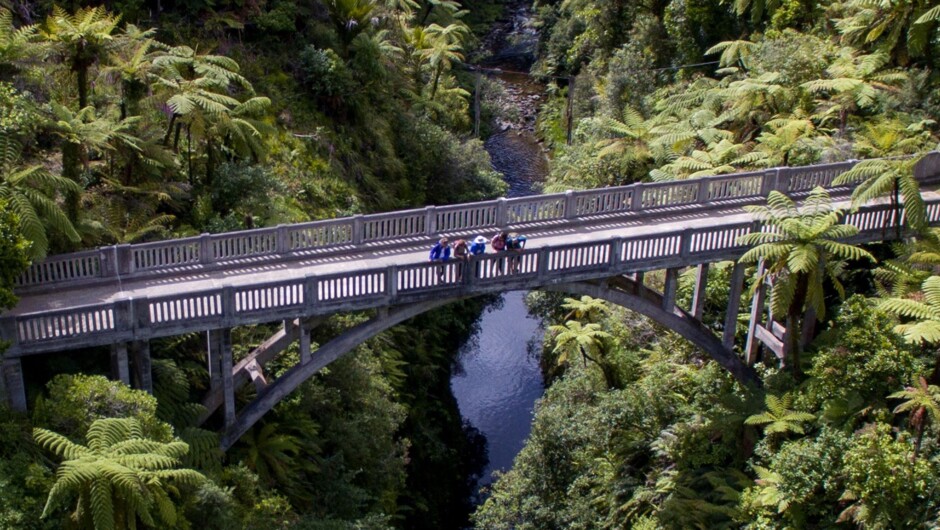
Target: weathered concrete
{"x":621,"y":291}
{"x":734,"y":303}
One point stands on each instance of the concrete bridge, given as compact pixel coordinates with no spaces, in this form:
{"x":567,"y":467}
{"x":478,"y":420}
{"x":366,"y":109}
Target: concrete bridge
{"x":596,"y":242}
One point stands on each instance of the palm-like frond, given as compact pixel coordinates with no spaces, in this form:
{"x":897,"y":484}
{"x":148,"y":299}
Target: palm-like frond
{"x":794,"y":241}
{"x":31,"y":193}
{"x":119,"y":476}
{"x":925,"y":312}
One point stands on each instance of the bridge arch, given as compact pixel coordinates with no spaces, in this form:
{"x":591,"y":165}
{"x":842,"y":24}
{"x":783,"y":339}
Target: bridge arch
{"x":619,"y":290}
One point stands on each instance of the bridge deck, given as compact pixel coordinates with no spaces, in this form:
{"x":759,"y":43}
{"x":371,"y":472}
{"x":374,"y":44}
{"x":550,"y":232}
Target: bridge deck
{"x":260,"y":270}
{"x":137,"y":292}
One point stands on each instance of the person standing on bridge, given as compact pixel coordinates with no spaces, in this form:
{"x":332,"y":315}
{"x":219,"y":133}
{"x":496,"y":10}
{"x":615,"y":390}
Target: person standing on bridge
{"x":462,"y":255}
{"x":499,"y":245}
{"x":440,"y":253}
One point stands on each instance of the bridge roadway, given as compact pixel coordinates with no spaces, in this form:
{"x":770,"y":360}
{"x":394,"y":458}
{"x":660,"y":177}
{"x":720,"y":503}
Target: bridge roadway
{"x":124,"y":296}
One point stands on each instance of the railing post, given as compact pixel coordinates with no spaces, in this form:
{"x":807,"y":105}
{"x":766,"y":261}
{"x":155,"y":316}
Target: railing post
{"x":541,"y":267}
{"x":768,"y":182}
{"x":615,"y":247}
{"x":637,"y":204}
{"x":283,"y":239}
{"x":140,"y":311}
{"x":124,"y":259}
{"x":685,"y":243}
{"x":311,"y":296}
{"x":430,"y":220}
{"x":783,"y":180}
{"x":123,"y":315}
{"x":107,"y":260}
{"x":228,"y":305}
{"x":571,"y":205}
{"x":391,"y":281}
{"x":205,"y":249}
{"x":502,"y":213}
{"x":699,"y":184}
{"x":357,"y":235}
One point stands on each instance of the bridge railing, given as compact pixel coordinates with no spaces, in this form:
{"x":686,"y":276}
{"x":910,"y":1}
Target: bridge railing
{"x":287,"y":240}
{"x":226,"y":306}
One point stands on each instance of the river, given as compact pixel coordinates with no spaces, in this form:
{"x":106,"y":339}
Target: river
{"x":498,"y":379}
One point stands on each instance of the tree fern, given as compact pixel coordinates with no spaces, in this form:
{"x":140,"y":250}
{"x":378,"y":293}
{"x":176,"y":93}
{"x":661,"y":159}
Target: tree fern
{"x":117,"y":477}
{"x":793,"y":244}
{"x":31,"y":193}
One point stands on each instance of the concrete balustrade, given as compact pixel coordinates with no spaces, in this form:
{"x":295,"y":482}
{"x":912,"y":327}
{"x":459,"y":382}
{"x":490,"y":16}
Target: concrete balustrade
{"x":288,"y":241}
{"x":146,"y":318}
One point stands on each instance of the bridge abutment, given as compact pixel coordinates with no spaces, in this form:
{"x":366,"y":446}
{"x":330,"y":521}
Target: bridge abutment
{"x":13,"y":384}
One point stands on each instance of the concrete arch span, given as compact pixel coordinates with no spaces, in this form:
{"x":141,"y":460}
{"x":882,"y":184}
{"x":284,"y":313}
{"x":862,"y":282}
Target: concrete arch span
{"x":619,"y":290}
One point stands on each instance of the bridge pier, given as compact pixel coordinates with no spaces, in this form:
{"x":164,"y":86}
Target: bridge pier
{"x":734,"y":303}
{"x":141,"y":366}
{"x":120,"y":368}
{"x":757,"y":311}
{"x":220,"y":370}
{"x":13,"y":383}
{"x":670,"y":284}
{"x":698,"y":295}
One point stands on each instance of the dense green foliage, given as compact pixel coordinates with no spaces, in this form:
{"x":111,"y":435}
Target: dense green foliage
{"x":145,"y":120}
{"x":133,"y":121}
{"x":847,"y":437}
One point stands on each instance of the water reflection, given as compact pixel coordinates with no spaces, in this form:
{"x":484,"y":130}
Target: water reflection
{"x":500,"y":379}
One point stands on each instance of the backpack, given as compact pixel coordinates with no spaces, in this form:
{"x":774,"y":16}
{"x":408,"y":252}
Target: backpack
{"x":515,"y":242}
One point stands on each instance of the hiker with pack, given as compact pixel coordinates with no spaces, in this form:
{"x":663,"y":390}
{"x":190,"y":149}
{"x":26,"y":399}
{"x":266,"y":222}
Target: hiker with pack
{"x":515,"y":243}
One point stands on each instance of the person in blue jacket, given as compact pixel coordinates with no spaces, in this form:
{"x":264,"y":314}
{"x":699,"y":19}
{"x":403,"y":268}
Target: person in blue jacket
{"x":478,"y":246}
{"x":440,"y":252}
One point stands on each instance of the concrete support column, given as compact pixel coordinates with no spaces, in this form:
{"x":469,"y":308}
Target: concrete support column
{"x":669,"y":289}
{"x":698,"y":296}
{"x":120,"y":369}
{"x":734,"y":303}
{"x":13,"y":383}
{"x":757,"y":311}
{"x":220,"y":370}
{"x":140,"y":362}
{"x":305,"y":341}
{"x":638,"y":278}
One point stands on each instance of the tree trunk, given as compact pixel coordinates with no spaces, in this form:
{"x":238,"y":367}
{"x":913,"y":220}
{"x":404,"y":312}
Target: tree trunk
{"x":70,"y":165}
{"x":791,"y":358}
{"x":210,"y":163}
{"x":169,"y":130}
{"x":437,"y":78}
{"x":81,"y":72}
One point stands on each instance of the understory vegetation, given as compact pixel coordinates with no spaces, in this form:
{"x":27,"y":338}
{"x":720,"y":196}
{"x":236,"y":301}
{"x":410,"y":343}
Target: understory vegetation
{"x":131,"y":121}
{"x":638,"y":429}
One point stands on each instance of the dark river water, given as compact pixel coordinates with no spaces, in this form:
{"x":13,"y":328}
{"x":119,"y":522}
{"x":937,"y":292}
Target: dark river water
{"x":499,"y":380}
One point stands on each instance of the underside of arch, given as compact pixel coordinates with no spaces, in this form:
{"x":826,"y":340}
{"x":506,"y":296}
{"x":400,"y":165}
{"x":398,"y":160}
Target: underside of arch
{"x":619,"y":290}
{"x":626,"y":292}
{"x":326,"y":354}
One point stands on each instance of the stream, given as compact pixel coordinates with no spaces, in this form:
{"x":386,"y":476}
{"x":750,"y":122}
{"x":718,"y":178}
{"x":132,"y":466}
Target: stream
{"x":498,"y":379}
